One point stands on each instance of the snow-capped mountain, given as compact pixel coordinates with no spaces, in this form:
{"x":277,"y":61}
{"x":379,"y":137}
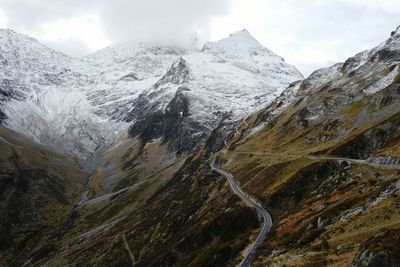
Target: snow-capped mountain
{"x":80,"y":105}
{"x":370,"y":73}
{"x":45,"y":99}
{"x":234,"y":76}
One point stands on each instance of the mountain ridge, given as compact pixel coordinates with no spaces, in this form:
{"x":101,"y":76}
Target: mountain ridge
{"x":104,"y":88}
{"x":322,"y":156}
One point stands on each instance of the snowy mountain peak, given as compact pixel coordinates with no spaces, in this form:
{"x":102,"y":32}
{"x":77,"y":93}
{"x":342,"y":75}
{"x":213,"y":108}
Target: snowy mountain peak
{"x":127,"y":50}
{"x":388,"y":51}
{"x":82,"y":105}
{"x":178,"y":73}
{"x":21,"y":45}
{"x":8,"y":34}
{"x":241,"y":41}
{"x":244,"y":36}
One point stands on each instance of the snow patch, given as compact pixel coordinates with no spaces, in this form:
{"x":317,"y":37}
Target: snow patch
{"x":382,"y":83}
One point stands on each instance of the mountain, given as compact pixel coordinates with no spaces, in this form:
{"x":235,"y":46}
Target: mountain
{"x":324,"y":160}
{"x":38,"y":190}
{"x":44,"y":98}
{"x":81,"y":106}
{"x":321,"y":156}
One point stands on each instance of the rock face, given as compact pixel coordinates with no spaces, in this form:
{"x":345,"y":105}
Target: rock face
{"x":380,"y":250}
{"x":234,"y":77}
{"x":81,"y":105}
{"x":322,"y":158}
{"x":349,"y":110}
{"x":371,"y":259}
{"x":2,"y":116}
{"x":372,"y":73}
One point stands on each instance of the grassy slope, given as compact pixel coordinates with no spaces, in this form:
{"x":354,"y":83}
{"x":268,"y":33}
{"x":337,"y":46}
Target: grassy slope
{"x":185,"y":215}
{"x":189,"y":219}
{"x":299,"y":191}
{"x":38,"y":189}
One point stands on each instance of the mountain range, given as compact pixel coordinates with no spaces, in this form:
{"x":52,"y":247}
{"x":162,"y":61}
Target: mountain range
{"x":81,"y":105}
{"x":146,"y":155}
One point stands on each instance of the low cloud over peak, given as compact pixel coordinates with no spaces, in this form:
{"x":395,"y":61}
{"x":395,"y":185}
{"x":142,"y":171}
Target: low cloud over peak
{"x":308,"y":34}
{"x":98,"y":23}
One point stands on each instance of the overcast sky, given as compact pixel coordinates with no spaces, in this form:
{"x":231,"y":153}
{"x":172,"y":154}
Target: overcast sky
{"x":309,"y":34}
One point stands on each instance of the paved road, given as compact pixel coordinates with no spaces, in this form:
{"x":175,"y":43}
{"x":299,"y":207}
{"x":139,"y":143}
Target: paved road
{"x":266,"y":217}
{"x":322,"y":157}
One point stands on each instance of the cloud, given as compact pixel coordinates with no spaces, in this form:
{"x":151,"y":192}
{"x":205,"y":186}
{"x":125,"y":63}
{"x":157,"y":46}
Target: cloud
{"x":31,"y":14}
{"x":97,"y":23}
{"x":309,"y":34}
{"x":313,"y":33}
{"x":171,"y":22}
{"x":74,"y":36}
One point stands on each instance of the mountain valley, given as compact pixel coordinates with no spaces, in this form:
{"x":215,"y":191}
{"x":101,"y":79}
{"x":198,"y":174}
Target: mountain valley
{"x":123,"y":157}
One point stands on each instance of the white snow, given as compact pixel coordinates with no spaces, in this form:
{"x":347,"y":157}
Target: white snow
{"x":79,"y":105}
{"x":235,"y":75}
{"x":382,"y":83}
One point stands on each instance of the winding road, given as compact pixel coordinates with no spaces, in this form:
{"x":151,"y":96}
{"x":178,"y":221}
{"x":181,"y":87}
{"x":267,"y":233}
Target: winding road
{"x":266,"y":217}
{"x":323,"y":157}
